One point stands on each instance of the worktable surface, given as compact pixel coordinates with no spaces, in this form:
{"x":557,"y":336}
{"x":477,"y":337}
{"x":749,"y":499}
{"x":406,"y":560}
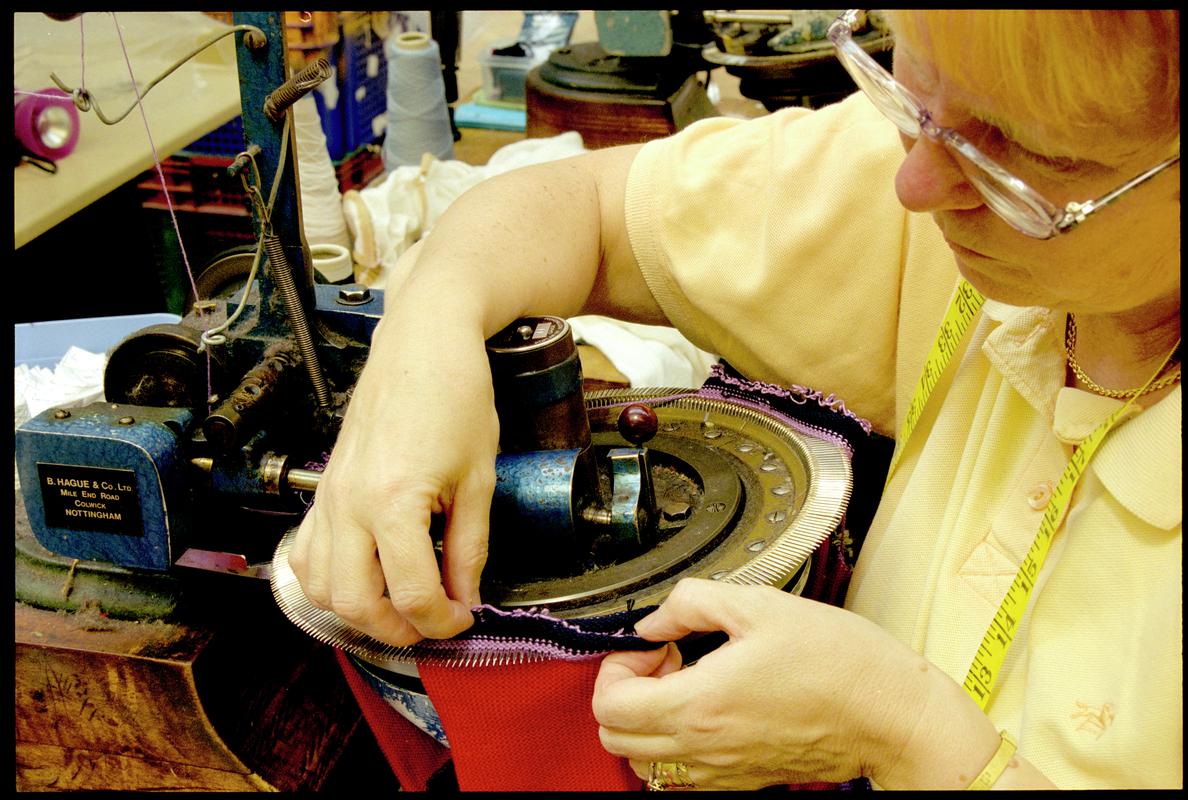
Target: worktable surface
{"x":197,"y":98}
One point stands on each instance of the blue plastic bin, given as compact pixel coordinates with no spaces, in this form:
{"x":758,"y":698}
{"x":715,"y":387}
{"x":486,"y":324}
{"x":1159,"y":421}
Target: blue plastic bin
{"x":363,"y":84}
{"x":42,"y":344}
{"x":226,"y":140}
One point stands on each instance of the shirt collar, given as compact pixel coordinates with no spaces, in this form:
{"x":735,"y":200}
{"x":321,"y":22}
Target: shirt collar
{"x":1140,"y":461}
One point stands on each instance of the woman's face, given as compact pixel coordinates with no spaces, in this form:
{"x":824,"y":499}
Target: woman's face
{"x":1123,"y":258}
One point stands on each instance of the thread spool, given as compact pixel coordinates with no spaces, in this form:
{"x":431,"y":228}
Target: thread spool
{"x":418,"y":118}
{"x":322,"y":217}
{"x":46,"y":126}
{"x":332,"y":261}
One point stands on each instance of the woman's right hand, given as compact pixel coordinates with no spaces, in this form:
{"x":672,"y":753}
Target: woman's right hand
{"x":419,"y":438}
{"x":421,"y":433}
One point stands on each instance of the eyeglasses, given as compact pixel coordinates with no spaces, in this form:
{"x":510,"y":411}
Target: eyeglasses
{"x":1023,"y":208}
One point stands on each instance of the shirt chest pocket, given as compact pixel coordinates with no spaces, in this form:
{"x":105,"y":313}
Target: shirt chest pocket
{"x":994,"y":561}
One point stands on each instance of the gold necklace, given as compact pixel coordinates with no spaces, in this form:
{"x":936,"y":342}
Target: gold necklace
{"x":1070,"y":345}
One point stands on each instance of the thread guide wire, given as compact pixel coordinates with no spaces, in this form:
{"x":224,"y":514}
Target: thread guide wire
{"x":254,"y":39}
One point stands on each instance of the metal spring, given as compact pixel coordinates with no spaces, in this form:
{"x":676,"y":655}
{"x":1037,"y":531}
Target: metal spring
{"x":291,"y":90}
{"x":283,"y":277}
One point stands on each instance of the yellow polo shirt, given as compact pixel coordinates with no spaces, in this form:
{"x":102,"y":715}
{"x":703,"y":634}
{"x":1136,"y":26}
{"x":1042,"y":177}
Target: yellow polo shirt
{"x":779,"y":243}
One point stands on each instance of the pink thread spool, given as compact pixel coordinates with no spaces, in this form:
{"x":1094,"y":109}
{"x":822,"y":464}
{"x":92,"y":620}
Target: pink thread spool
{"x":46,"y":126}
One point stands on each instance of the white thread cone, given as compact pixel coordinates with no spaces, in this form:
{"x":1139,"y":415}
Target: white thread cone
{"x":321,"y":201}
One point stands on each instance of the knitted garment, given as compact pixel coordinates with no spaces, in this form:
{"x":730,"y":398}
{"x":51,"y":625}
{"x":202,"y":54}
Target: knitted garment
{"x":524,"y":722}
{"x":514,"y":691}
{"x":513,"y":695}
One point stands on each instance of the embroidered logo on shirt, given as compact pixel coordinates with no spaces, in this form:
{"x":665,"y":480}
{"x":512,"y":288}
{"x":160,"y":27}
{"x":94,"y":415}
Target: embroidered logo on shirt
{"x":1094,"y":720}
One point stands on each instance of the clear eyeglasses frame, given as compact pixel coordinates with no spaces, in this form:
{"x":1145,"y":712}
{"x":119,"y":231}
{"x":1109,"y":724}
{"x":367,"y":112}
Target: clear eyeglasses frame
{"x":1022,"y":207}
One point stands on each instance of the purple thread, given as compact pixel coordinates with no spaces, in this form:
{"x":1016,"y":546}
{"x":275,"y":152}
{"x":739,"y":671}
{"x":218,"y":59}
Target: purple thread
{"x":543,"y":613}
{"x":797,"y":394}
{"x":39,"y":94}
{"x":478,"y":646}
{"x":82,"y":54}
{"x":805,"y":428}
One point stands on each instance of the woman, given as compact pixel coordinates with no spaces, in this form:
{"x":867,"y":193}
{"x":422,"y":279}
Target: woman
{"x":783,"y":243}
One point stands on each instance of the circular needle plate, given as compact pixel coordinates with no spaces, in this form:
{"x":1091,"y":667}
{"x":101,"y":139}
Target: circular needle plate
{"x":756,"y":498}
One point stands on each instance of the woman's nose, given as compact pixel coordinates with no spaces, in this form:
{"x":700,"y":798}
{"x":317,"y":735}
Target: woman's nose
{"x":930,"y":179}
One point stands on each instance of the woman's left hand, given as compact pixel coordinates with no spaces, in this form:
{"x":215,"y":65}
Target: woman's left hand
{"x":802,"y":691}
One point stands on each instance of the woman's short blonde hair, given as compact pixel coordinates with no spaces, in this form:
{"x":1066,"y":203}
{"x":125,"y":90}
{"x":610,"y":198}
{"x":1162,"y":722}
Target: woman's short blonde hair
{"x":1110,"y":75}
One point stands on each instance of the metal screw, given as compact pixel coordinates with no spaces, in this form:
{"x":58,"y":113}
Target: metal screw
{"x":670,"y":427}
{"x":771,"y":466}
{"x":125,"y":421}
{"x":61,"y":413}
{"x":756,"y":545}
{"x":255,"y":39}
{"x":354,"y":294}
{"x":780,"y":491}
{"x":719,"y":575}
{"x":746,"y":447}
{"x":777,"y":516}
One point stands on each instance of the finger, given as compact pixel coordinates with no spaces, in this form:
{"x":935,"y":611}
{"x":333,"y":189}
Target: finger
{"x":643,"y":746}
{"x":673,"y":662}
{"x":464,"y":548}
{"x":414,"y":583}
{"x":299,"y":552}
{"x":625,"y":664}
{"x":625,"y":696}
{"x":698,"y":605}
{"x":308,"y":560}
{"x":357,"y":590}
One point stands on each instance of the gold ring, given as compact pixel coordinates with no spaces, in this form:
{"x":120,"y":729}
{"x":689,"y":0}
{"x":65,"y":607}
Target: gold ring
{"x":665,"y":776}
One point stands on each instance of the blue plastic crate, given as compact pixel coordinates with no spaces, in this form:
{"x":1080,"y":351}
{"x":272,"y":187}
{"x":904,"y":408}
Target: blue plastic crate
{"x":363,"y":83}
{"x":331,"y":125}
{"x":42,"y":344}
{"x":226,"y":140}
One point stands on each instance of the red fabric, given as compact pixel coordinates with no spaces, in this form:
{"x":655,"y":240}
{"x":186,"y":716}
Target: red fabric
{"x":528,"y":727}
{"x":413,"y":754}
{"x":525,"y":727}
{"x":829,"y":575}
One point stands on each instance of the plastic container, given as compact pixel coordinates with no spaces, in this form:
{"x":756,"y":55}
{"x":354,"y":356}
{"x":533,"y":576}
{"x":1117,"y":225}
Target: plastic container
{"x":363,"y":81}
{"x":504,"y":76}
{"x":197,"y":183}
{"x":42,"y":344}
{"x":226,"y":140}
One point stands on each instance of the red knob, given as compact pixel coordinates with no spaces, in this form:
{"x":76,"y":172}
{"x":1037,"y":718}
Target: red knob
{"x":638,"y":423}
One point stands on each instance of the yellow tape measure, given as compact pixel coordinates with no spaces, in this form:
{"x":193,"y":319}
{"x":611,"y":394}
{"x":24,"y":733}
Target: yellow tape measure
{"x":966,"y":303}
{"x":991,"y":654}
{"x":987,"y":662}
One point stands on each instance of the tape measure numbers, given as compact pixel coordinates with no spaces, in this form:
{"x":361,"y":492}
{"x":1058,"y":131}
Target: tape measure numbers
{"x":991,"y":654}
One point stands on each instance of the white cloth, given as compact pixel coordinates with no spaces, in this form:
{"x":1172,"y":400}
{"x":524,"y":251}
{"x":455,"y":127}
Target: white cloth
{"x":648,"y":355}
{"x":75,"y":381}
{"x":391,"y":216}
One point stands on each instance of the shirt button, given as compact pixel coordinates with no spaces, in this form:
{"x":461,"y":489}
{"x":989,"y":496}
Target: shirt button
{"x":1039,"y":495}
